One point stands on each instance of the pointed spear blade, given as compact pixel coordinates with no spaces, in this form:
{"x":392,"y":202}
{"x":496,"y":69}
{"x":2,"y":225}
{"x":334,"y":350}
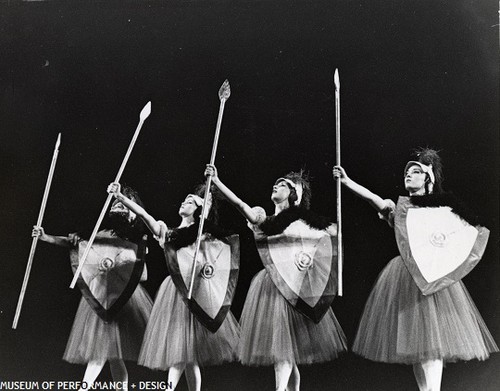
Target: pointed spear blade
{"x":145,"y":111}
{"x":225,"y":90}
{"x":336,"y":79}
{"x":58,"y":142}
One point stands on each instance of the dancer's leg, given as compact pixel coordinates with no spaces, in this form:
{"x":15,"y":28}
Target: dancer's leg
{"x":433,"y":370}
{"x":119,"y":372}
{"x":193,"y":377}
{"x":282,"y":372}
{"x":294,"y":381}
{"x":174,"y":375}
{"x":418,"y":371}
{"x":93,"y":370}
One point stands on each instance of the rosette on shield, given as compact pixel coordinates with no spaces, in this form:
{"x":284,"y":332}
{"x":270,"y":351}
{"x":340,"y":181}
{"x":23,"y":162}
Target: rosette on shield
{"x":207,"y":271}
{"x":105,"y":264}
{"x":303,"y":261}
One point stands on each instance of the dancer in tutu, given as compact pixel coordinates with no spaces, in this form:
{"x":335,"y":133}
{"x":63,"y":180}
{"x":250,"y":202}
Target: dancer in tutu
{"x":175,"y":340}
{"x":279,"y":325}
{"x":106,"y":328}
{"x":434,"y":324}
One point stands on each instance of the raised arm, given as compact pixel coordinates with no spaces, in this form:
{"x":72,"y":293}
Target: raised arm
{"x":153,"y":225}
{"x":64,"y":241}
{"x":374,"y":200}
{"x":242,"y":207}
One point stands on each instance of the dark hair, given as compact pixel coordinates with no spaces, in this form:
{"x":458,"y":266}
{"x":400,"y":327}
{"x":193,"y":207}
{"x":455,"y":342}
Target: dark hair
{"x":182,"y":237}
{"x":129,"y":192}
{"x":132,"y":231}
{"x":429,"y":156}
{"x":300,"y":178}
{"x":138,"y":224}
{"x":213,"y":215}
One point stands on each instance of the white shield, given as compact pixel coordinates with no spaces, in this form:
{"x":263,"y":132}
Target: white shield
{"x":301,"y":262}
{"x":215,"y":280}
{"x":112,"y":270}
{"x":213,"y":270}
{"x":439,"y":240}
{"x":437,"y":246}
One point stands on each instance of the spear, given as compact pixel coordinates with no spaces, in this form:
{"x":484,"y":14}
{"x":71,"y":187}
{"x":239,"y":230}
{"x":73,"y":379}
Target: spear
{"x":224,"y":93}
{"x":35,"y":238}
{"x":142,"y":117}
{"x":340,"y":261}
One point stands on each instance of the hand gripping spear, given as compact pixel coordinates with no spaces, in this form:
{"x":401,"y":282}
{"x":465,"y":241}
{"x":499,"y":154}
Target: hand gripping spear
{"x":340,"y":249}
{"x":142,"y":117}
{"x":35,"y":238}
{"x":224,"y":93}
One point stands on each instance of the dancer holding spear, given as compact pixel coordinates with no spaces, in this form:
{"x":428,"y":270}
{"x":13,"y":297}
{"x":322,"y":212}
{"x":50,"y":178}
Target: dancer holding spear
{"x":191,"y":324}
{"x":113,"y":313}
{"x":287,"y":319}
{"x":419,"y":311}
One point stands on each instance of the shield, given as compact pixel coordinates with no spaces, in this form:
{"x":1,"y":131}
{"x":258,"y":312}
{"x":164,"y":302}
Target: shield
{"x":110,"y":274}
{"x":437,"y":246}
{"x":302,"y":263}
{"x":215,"y":281}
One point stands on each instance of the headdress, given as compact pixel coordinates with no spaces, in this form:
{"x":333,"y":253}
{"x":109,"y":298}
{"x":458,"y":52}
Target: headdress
{"x":425,"y":168}
{"x":299,"y":182}
{"x":199,"y":202}
{"x":298,"y":189}
{"x":430,"y":163}
{"x":128,"y":230}
{"x":212,"y":203}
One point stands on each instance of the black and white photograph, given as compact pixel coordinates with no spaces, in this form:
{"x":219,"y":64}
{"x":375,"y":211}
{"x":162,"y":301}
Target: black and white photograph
{"x":247,"y":195}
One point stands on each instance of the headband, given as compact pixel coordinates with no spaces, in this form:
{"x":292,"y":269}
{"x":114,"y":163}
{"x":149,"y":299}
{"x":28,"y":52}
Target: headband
{"x":296,"y":186}
{"x":199,"y":202}
{"x":425,"y":168}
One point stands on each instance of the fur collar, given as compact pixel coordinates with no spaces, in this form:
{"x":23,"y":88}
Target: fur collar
{"x":183,"y":237}
{"x":132,"y":232}
{"x":274,"y":225}
{"x":446,"y":199}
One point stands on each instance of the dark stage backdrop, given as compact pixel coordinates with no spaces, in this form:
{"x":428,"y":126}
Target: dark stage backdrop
{"x":413,"y":73}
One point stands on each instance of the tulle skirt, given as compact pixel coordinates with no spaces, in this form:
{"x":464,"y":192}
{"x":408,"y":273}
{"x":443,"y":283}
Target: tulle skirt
{"x":174,"y":336}
{"x":93,"y":339}
{"x":400,"y":325}
{"x":272,"y":331}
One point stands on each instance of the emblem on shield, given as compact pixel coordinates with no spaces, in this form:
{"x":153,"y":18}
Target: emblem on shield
{"x":111,"y":272}
{"x":302,"y":263}
{"x":215,"y":277}
{"x":437,"y":246}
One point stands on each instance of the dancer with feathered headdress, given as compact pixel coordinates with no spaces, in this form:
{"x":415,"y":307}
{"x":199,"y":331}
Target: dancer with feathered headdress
{"x":113,"y":312}
{"x":419,"y":311}
{"x":287,"y":319}
{"x":180,"y":337}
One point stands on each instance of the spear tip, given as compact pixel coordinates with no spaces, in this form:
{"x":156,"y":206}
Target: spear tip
{"x":225,"y":90}
{"x":145,"y":111}
{"x":58,"y":142}
{"x":336,"y":78}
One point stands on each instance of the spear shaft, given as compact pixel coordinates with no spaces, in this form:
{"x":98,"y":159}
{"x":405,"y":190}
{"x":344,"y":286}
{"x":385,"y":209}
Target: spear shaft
{"x":224,"y":94}
{"x":35,"y":238}
{"x":144,"y":114}
{"x":339,"y":185}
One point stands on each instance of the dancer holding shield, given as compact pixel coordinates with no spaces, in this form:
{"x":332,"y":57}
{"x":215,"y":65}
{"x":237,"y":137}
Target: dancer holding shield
{"x":287,"y":319}
{"x":114,"y":310}
{"x":419,"y":311}
{"x":184,"y":334}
